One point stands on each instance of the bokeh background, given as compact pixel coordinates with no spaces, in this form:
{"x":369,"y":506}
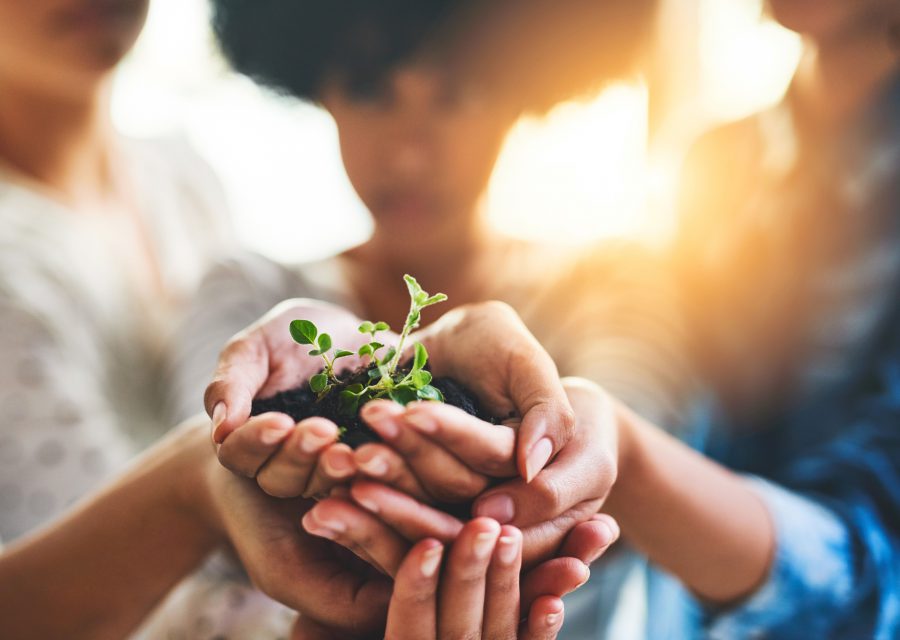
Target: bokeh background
{"x":605,"y":165}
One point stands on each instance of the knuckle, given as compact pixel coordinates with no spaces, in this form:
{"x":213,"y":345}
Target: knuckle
{"x":505,"y":586}
{"x":547,"y":493}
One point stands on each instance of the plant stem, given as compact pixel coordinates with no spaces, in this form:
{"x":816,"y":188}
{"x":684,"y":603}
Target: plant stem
{"x":407,"y":327}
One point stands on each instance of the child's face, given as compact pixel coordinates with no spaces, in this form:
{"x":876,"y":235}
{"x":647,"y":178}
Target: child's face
{"x":419,"y":149}
{"x":66,"y":44}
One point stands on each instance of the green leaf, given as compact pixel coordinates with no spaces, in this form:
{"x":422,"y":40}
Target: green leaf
{"x":430,"y":393}
{"x":348,"y":402}
{"x":413,"y":320}
{"x":315,"y":352}
{"x":318,"y":383}
{"x":420,"y":299}
{"x":413,"y":286}
{"x":436,"y":298}
{"x":304,"y":331}
{"x":355,"y":389}
{"x":324,"y":342}
{"x":420,"y":358}
{"x":382,"y":326}
{"x":374,"y":374}
{"x":366,"y":327}
{"x":388,"y":356}
{"x":420,"y":378}
{"x":365,"y":350}
{"x":403,"y":395}
{"x":343,"y":353}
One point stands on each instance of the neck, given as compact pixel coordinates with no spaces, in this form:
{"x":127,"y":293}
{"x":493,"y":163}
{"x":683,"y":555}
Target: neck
{"x":64,"y":143}
{"x":840,"y":74}
{"x":440,"y":264}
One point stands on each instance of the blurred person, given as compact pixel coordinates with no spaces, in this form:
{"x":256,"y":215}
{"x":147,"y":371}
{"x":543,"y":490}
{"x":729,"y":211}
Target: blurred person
{"x":787,"y":527}
{"x":102,"y":239}
{"x":421,"y":125}
{"x":788,"y":256}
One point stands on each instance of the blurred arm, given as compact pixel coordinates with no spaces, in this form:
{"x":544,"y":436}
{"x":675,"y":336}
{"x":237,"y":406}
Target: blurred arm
{"x":98,"y":571}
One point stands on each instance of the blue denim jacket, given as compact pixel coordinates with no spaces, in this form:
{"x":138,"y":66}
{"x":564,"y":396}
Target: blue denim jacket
{"x":828,"y":468}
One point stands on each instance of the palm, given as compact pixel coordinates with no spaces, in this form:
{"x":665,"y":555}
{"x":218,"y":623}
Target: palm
{"x":283,"y":560}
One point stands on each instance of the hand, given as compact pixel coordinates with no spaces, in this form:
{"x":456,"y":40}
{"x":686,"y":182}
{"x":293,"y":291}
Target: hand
{"x":310,"y":575}
{"x":477,"y":593}
{"x":434,"y":441}
{"x":287,"y":460}
{"x":485,"y":346}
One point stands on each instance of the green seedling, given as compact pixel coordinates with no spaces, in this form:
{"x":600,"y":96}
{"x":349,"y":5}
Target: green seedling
{"x":383,"y":379}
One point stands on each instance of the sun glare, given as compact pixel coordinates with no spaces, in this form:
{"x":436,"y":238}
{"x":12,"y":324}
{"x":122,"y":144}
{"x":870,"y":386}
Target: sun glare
{"x":580,"y":173}
{"x":577,"y":174}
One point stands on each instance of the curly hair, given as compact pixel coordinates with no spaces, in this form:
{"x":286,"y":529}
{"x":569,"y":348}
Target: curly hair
{"x":543,"y":50}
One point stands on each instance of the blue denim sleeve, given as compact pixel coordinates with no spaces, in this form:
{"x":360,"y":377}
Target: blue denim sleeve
{"x":812,"y":573}
{"x":836,"y":510}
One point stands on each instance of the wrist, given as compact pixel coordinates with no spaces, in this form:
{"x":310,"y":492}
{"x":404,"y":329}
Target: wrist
{"x":630,"y":430}
{"x":194,"y":475}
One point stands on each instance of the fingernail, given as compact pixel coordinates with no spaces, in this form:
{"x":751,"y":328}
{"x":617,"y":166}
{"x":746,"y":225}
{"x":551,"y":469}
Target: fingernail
{"x":274,"y":435}
{"x":367,"y":504}
{"x":552,"y":619}
{"x":430,"y":561}
{"x":316,"y":528}
{"x":509,"y":549}
{"x":538,"y":456}
{"x":310,"y":441}
{"x":377,"y":466}
{"x":483,"y":544}
{"x":499,"y":507}
{"x":336,"y":465}
{"x":611,"y":534}
{"x":220,"y":412}
{"x":335,"y":525}
{"x":422,"y":422}
{"x":383,"y":419}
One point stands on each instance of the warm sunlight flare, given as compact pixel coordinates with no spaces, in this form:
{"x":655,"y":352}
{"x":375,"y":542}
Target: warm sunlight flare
{"x":579,"y":173}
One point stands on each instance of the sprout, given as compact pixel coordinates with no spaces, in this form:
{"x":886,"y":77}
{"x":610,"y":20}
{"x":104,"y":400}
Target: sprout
{"x":383,"y":380}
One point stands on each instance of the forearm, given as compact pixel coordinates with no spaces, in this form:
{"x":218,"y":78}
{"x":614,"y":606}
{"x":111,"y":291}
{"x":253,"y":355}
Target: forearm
{"x":690,"y":515}
{"x":99,"y":570}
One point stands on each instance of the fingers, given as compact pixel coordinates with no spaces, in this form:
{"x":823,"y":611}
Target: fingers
{"x":545,"y":619}
{"x":441,"y":474}
{"x":582,"y":473}
{"x":555,"y":577}
{"x":383,"y":464}
{"x":359,"y":531}
{"x":242,"y":370}
{"x":250,"y":446}
{"x":288,"y":470}
{"x":263,"y":359}
{"x":485,"y":448}
{"x":405,"y":515}
{"x":335,"y":466}
{"x":412,"y":613}
{"x":488,"y":347}
{"x":462,"y":593}
{"x":501,"y":609}
{"x":590,"y":540}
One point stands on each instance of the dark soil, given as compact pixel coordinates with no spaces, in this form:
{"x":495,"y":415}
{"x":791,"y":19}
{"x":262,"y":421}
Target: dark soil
{"x":301,"y":403}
